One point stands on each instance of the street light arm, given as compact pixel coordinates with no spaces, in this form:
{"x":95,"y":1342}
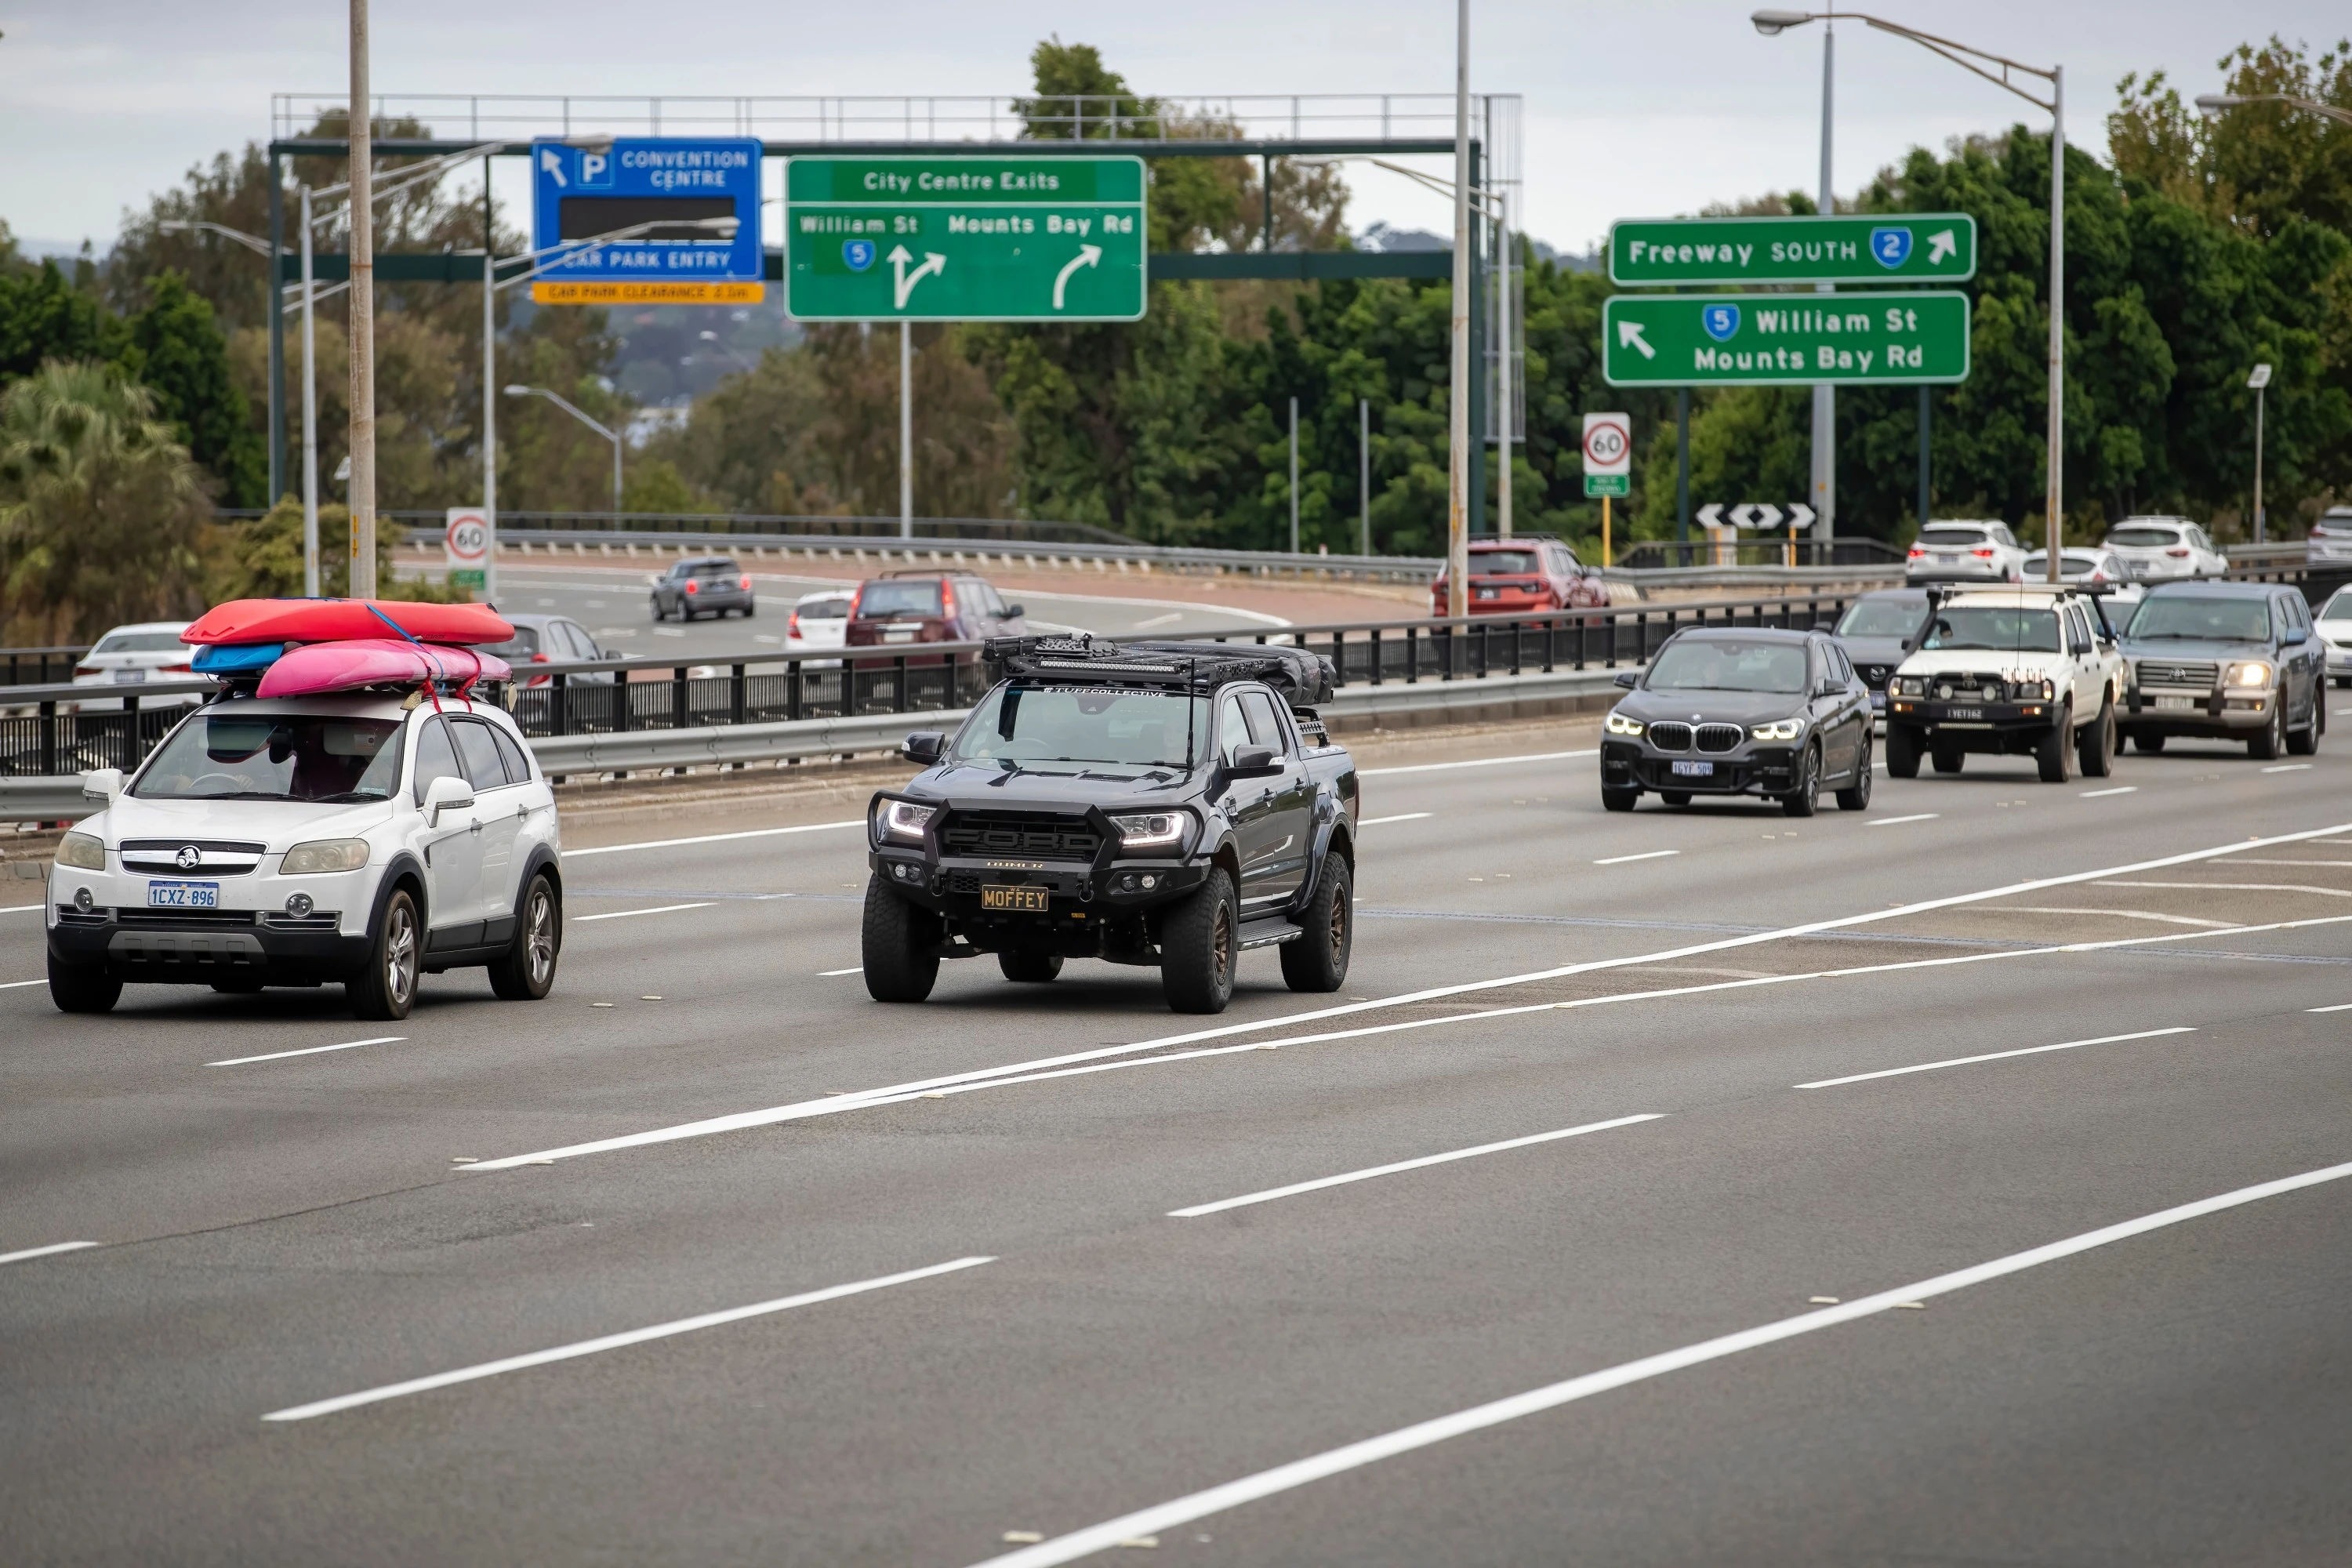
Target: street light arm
{"x":254,"y":243}
{"x":566,"y":405}
{"x":1949,"y":49}
{"x":2213,"y":103}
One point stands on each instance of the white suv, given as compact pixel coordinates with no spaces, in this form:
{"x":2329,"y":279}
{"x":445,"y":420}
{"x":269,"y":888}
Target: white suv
{"x":2333,"y":621}
{"x":2331,"y":538}
{"x":1965,"y":552}
{"x":2156,"y":549}
{"x":297,"y":840}
{"x":2025,"y":670}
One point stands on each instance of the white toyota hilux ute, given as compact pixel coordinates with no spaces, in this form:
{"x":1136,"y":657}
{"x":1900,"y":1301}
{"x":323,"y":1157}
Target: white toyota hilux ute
{"x":351,"y":837}
{"x":2025,"y":670}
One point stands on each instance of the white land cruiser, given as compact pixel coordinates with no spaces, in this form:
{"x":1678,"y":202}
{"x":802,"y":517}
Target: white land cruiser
{"x":2027,"y":669}
{"x":290,"y":842}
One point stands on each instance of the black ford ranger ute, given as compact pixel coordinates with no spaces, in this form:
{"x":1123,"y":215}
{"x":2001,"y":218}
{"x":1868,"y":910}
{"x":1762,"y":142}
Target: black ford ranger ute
{"x":1159,"y":804}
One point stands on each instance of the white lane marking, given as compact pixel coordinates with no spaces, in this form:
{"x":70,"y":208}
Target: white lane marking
{"x":1169,"y":619}
{"x":739,"y":1121}
{"x":2288,"y":768}
{"x":309,"y":1051}
{"x":2250,"y":862}
{"x":54,"y":1248}
{"x":1259,"y":617}
{"x":1646,"y":854}
{"x":1364,"y":1175}
{"x":832,"y":974}
{"x":1400,"y":816}
{"x":1891,"y":821}
{"x":2103,"y":793}
{"x":2240,"y":888}
{"x":1993,"y":1056}
{"x":625,"y":914}
{"x":19,"y":909}
{"x":1425,"y":1434}
{"x":2119,"y":914}
{"x":1474,"y":762}
{"x":14,"y":984}
{"x":2339,"y":1007}
{"x":613,"y":1342}
{"x":711,"y":838}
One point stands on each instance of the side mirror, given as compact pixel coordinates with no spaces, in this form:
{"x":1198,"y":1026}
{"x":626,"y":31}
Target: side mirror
{"x":926,"y":746}
{"x":1015,"y":612}
{"x":447,"y":793}
{"x":101,"y":783}
{"x":1254,"y":761}
{"x":2295,"y":634}
{"x":1629,"y":678}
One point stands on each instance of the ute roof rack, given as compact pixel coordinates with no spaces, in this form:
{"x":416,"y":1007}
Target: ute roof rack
{"x":1304,"y":679}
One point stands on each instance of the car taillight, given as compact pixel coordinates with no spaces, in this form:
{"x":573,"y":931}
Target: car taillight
{"x":744,"y":583}
{"x":1983,"y":554}
{"x":2176,"y":551}
{"x":87,"y":670}
{"x":1917,"y":553}
{"x":177,"y":670}
{"x":539,"y":659}
{"x":947,"y":600}
{"x":792,"y":626}
{"x":692,"y":586}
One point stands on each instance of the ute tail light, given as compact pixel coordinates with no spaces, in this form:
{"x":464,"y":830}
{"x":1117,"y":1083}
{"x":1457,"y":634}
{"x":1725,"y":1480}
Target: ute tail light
{"x":743,"y":583}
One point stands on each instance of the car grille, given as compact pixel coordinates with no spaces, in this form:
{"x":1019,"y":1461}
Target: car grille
{"x":1718,"y":737}
{"x":1672,"y":736}
{"x":1966,"y":689}
{"x":982,"y":833}
{"x":2152,"y":672}
{"x":182,"y":920}
{"x":159,"y":856}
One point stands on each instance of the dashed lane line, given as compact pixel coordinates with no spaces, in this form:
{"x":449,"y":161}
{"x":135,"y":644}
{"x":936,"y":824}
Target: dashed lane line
{"x":2103,"y":793}
{"x":309,"y":1051}
{"x":1993,"y":1056}
{"x":1400,"y":816}
{"x":2118,"y":914}
{"x":1891,"y":821}
{"x":20,"y":910}
{"x":711,"y":838}
{"x":16,"y":984}
{"x":1474,"y":762}
{"x":2238,"y":888}
{"x":837,"y":974}
{"x":49,"y":1251}
{"x":625,"y":914}
{"x":1645,"y":855}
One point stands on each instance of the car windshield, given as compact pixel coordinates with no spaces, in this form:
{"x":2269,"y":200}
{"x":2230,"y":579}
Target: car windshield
{"x":276,"y":756}
{"x":2006,"y":627}
{"x":140,"y":642}
{"x":2145,"y":538}
{"x":2334,"y":521}
{"x":1883,"y":619}
{"x":717,"y":569}
{"x":522,"y":644}
{"x":899,"y":597}
{"x":1021,"y":726}
{"x":2338,"y":608}
{"x":1718,"y":664}
{"x":2190,"y":618}
{"x":1504,"y":564}
{"x":831,"y":609}
{"x":1942,"y":538}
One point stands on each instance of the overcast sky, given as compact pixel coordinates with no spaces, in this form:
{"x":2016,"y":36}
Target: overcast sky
{"x":1632,"y":108}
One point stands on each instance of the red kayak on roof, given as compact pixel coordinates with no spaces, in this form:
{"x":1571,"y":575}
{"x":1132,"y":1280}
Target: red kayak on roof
{"x":375,"y":661}
{"x":342,"y":620}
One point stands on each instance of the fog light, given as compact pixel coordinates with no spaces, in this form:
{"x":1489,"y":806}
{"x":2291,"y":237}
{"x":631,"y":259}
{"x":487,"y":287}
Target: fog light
{"x":298,"y":905}
{"x":1150,"y":881}
{"x":83,"y":901}
{"x":1127,"y":883}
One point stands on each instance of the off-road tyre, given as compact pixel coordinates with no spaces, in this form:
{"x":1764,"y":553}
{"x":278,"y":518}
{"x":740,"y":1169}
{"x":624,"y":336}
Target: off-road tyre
{"x":386,"y":988}
{"x":1318,"y":962}
{"x":1806,"y":798}
{"x":2304,"y":742}
{"x":1200,"y":942}
{"x":1619,"y":799}
{"x":526,"y":970}
{"x":1030,"y":968}
{"x":1946,"y":757}
{"x":1902,"y":752}
{"x":901,"y":946}
{"x":1856,"y":796}
{"x":2094,"y":745}
{"x":2053,"y":753}
{"x":82,"y":988}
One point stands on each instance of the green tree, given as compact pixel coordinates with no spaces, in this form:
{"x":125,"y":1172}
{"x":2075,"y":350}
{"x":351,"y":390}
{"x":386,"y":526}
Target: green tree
{"x":183,"y":359}
{"x":43,"y":317}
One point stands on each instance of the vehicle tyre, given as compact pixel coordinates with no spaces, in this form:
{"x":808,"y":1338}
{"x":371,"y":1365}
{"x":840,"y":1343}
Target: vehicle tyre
{"x":79,"y":988}
{"x":526,"y":970}
{"x":1676,"y":796}
{"x":1030,"y":968}
{"x":386,"y":988}
{"x":2095,"y":747}
{"x":900,"y":944}
{"x":1856,"y":796}
{"x":1618,"y":799}
{"x":2148,"y":742}
{"x":1199,"y":941}
{"x":2053,"y":753}
{"x":1806,"y":798}
{"x":2304,"y":742}
{"x":2266,"y":746}
{"x":1947,"y":757}
{"x":1902,"y":752}
{"x":1318,"y":961}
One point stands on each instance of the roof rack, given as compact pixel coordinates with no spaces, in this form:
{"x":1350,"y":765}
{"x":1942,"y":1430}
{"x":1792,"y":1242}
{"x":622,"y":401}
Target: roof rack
{"x":1303,"y":678}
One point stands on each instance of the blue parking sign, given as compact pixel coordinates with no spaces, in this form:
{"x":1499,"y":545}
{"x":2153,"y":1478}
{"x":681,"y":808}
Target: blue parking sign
{"x":647,"y":219}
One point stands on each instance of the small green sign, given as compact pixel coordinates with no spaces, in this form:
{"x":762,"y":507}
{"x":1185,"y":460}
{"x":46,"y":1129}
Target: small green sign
{"x":1906,"y":247}
{"x":1785,"y":340}
{"x":977,"y":238}
{"x":468,"y":577}
{"x":1608,"y":484}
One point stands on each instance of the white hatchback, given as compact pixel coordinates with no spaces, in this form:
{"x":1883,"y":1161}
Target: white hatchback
{"x":2094,"y":569}
{"x":2330,"y":541}
{"x":2160,"y":549}
{"x":819,"y":622}
{"x":1979,"y":550}
{"x":295,"y":841}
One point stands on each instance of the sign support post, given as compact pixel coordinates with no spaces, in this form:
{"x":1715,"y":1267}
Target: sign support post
{"x":906,"y":429}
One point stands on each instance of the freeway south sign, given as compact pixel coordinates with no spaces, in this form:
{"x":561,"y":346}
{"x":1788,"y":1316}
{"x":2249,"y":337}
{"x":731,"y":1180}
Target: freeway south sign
{"x":978,"y":238}
{"x":1900,"y":247}
{"x":1785,"y":340}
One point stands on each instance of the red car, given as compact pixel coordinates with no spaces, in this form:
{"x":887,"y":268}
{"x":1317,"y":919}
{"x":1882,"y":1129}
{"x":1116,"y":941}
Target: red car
{"x":930,"y":606}
{"x":1525,"y":574}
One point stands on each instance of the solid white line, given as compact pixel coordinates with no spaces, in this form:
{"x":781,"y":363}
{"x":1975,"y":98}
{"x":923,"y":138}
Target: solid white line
{"x":1405,"y":1440}
{"x":611,"y":1341}
{"x":55,"y":1247}
{"x":625,"y":914}
{"x":1400,"y":816}
{"x":2240,"y":887}
{"x":19,"y":909}
{"x":770,"y":1116}
{"x":2288,"y":768}
{"x":1891,"y":821}
{"x":711,"y":838}
{"x":2102,"y":793}
{"x":1993,"y":1056}
{"x":2250,"y":862}
{"x":2339,"y":1007}
{"x":1646,"y":854}
{"x":1321,"y":1181}
{"x":832,"y":973}
{"x":13,"y":984}
{"x":2119,"y":914}
{"x":309,"y":1051}
{"x":1475,"y":763}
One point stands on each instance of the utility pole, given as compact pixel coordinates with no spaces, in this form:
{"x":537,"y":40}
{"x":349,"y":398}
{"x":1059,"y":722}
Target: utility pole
{"x":1457,"y":468}
{"x":1294,"y":476}
{"x":2055,"y":505}
{"x":490,"y":393}
{"x":363,"y":315}
{"x":1824,"y":394}
{"x":1364,"y":474}
{"x":1504,"y":410}
{"x":905,"y":430}
{"x":310,"y":589}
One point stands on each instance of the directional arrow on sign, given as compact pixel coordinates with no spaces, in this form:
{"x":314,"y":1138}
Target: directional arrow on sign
{"x":1801,"y":516}
{"x":1711,"y":515}
{"x":933,"y":262}
{"x":1941,"y":244}
{"x":1088,"y":255}
{"x":1629,"y":336}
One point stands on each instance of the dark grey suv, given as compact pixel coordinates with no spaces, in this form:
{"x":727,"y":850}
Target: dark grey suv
{"x":703,"y":585}
{"x":2225,"y":661}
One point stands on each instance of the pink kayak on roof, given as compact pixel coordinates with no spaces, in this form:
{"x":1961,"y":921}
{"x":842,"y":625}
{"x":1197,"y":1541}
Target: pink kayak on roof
{"x":354,"y":663}
{"x":341,"y":620}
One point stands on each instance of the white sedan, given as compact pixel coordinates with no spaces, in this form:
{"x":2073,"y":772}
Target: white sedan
{"x":133,"y":655}
{"x":2159,"y":549}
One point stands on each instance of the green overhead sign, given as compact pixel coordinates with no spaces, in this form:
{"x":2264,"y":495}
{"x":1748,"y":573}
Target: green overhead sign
{"x":1911,"y":248}
{"x":1879,"y":338}
{"x":977,"y":238}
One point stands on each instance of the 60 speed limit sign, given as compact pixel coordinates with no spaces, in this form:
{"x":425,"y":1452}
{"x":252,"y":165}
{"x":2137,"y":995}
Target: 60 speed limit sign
{"x":466,"y":547}
{"x":1607,"y":454}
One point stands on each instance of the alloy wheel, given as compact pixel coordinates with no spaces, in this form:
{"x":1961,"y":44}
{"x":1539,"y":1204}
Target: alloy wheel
{"x":539,"y":942}
{"x":400,"y":956}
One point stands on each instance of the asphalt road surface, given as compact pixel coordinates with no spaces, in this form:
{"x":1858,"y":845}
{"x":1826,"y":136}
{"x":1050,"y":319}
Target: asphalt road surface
{"x":1961,"y":1182}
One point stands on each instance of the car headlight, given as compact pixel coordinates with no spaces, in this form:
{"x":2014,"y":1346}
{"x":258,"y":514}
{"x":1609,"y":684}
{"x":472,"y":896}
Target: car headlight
{"x":901,"y":819}
{"x":1910,"y":686}
{"x":2253,"y":672}
{"x":83,"y":851}
{"x":1619,"y":724}
{"x":324,"y":854}
{"x":2027,"y":690}
{"x":1152,"y":830}
{"x":1779,"y":730}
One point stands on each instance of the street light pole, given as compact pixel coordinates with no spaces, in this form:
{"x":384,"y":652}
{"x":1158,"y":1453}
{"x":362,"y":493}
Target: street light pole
{"x":1825,"y":394}
{"x":577,"y":413}
{"x":2260,"y":380}
{"x":310,"y":588}
{"x":363,"y":315}
{"x":1457,"y":467}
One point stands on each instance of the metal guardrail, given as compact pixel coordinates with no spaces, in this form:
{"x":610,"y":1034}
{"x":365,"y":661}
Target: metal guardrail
{"x":646,"y":524}
{"x":36,"y":666}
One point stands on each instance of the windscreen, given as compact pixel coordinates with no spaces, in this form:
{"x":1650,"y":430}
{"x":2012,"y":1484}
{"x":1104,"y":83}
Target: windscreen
{"x":521,"y":646}
{"x":2190,"y":620}
{"x":2144,"y":538}
{"x":1720,"y":664}
{"x":894,"y":596}
{"x":1034,"y":726}
{"x":1942,"y":538}
{"x":276,"y":756}
{"x":140,"y":642}
{"x":1504,"y":564}
{"x":1883,"y":619}
{"x":707,"y":569}
{"x":832,"y":609}
{"x":2338,"y":608}
{"x":2001,"y":629}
